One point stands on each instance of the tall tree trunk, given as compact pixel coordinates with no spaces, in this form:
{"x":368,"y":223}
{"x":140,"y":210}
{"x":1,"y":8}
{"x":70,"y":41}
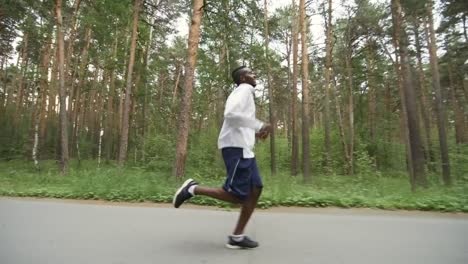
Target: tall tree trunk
{"x":439,"y":97}
{"x":270,"y":94}
{"x":121,"y":103}
{"x":461,"y":136}
{"x":111,"y":119}
{"x":73,"y":25}
{"x":21,"y":77}
{"x":41,"y":100}
{"x":100,"y":115}
{"x":81,"y":77}
{"x":101,"y":133}
{"x":4,"y":85}
{"x":36,"y":121}
{"x":404,"y":132}
{"x":52,"y":108}
{"x":350,"y":82}
{"x":341,"y":126}
{"x":464,"y":27}
{"x":417,"y":156}
{"x":422,"y":96}
{"x":224,"y":63}
{"x":6,"y":92}
{"x":372,"y":93}
{"x":328,"y":69}
{"x":145,"y":92}
{"x":36,"y":116}
{"x":184,"y":119}
{"x":287,"y":114}
{"x":465,"y":88}
{"x":135,"y":110}
{"x":288,"y":46}
{"x":128,"y":91}
{"x":178,"y":70}
{"x":62,"y":91}
{"x":221,"y":94}
{"x":46,"y":99}
{"x":305,"y":94}
{"x":294,"y":133}
{"x":93,"y":106}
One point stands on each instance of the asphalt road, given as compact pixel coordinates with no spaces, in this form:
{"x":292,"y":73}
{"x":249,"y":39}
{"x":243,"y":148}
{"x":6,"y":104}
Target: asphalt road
{"x":65,"y":232}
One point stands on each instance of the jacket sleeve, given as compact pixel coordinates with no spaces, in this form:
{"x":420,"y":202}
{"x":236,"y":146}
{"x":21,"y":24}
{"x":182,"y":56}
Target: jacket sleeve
{"x":240,"y":110}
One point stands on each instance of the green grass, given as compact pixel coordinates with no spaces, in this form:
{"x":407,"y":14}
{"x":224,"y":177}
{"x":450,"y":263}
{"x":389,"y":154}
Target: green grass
{"x":133,"y":184}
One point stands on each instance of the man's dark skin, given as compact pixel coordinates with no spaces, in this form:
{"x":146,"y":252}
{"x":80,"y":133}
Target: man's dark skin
{"x":249,"y":204}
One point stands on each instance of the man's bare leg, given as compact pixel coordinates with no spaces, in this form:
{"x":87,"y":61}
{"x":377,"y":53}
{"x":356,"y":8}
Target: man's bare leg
{"x":217,"y":193}
{"x":248,"y":206}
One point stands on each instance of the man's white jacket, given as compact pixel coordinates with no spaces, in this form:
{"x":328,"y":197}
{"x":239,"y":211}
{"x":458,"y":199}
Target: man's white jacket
{"x":240,"y":123}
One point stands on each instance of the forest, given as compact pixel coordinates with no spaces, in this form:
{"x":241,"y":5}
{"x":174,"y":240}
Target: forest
{"x":121,"y":100}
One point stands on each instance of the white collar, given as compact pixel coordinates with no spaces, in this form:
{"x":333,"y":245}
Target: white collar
{"x":251,"y":88}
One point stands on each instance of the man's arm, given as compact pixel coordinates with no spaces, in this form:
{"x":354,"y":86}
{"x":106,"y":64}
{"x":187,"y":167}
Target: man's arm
{"x":239,"y":111}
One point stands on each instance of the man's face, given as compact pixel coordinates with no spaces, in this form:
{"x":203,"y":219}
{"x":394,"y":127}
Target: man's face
{"x":248,"y":76}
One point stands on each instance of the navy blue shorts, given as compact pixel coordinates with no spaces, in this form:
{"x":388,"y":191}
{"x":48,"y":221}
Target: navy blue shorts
{"x":242,"y":174}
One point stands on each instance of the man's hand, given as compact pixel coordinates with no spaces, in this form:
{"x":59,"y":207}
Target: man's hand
{"x":261,"y":135}
{"x":263,"y":132}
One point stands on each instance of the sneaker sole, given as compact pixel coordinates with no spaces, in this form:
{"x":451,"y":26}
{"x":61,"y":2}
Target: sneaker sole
{"x":232,"y":247}
{"x":237,"y":247}
{"x":179,"y":190}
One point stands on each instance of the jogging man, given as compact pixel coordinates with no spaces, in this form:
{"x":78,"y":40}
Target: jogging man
{"x":236,"y":140}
